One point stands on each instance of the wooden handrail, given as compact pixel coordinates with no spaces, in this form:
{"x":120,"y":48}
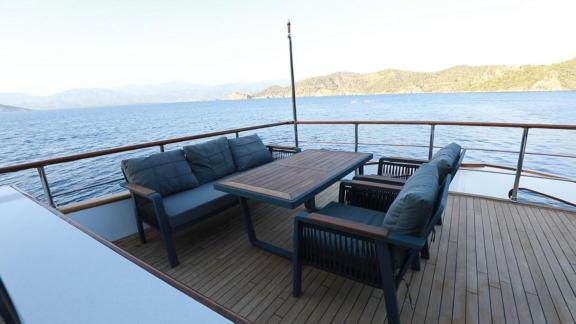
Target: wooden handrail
{"x":433,"y":122}
{"x":75,"y":157}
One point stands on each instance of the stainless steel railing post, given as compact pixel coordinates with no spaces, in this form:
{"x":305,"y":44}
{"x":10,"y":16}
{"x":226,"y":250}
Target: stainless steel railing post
{"x":357,"y":171}
{"x":431,"y":147}
{"x":514,"y":195}
{"x":237,"y":134}
{"x":45,"y":186}
{"x":355,"y":137}
{"x":161,"y":147}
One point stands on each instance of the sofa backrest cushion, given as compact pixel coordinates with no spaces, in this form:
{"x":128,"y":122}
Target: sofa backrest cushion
{"x":210,"y":160}
{"x":166,"y":173}
{"x":410,"y":211}
{"x":249,"y":152}
{"x":445,"y":159}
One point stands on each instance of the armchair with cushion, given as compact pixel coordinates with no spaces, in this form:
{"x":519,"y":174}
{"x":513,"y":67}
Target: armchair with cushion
{"x":397,"y":170}
{"x":373,"y":234}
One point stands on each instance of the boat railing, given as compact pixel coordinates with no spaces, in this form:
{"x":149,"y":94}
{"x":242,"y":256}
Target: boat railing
{"x":41,"y":164}
{"x":521,"y":152}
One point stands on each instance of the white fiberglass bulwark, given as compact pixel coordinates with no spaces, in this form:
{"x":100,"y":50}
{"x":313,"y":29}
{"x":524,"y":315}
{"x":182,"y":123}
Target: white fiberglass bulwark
{"x":55,"y":273}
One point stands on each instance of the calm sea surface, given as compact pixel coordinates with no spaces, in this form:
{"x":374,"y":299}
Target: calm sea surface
{"x":40,"y":135}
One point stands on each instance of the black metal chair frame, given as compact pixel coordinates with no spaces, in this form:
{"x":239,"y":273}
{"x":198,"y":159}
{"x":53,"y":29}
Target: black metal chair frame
{"x":357,"y":251}
{"x":143,"y":197}
{"x":403,"y":168}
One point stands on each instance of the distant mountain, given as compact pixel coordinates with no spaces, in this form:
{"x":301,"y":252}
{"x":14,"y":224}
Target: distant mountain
{"x":6,"y":108}
{"x":561,"y":76}
{"x":132,"y":94}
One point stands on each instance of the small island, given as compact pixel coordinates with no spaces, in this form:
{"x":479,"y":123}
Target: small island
{"x":238,"y":96}
{"x":6,"y":108}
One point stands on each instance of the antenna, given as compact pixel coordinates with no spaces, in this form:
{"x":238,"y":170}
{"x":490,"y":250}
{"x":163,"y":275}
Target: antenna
{"x":293,"y":87}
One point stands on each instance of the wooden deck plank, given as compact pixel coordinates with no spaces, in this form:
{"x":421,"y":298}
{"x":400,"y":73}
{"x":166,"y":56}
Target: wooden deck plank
{"x":558,"y":245}
{"x":448,"y":282}
{"x":562,"y":295}
{"x":492,"y":261}
{"x":326,"y":301}
{"x":527,"y":302}
{"x":567,"y":231}
{"x":360,"y":305}
{"x":496,"y":265}
{"x":515,"y":306}
{"x":440,"y":257}
{"x":459,"y":305}
{"x":542,"y":291}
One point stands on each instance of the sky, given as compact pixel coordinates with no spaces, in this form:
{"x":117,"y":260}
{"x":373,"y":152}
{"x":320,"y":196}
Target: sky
{"x":51,"y":46}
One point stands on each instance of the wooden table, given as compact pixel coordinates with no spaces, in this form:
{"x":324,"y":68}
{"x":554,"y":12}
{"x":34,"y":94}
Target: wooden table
{"x":290,"y":183}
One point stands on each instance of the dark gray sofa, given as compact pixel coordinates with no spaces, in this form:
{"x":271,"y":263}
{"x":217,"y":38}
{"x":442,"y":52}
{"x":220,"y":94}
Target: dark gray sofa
{"x":174,"y":189}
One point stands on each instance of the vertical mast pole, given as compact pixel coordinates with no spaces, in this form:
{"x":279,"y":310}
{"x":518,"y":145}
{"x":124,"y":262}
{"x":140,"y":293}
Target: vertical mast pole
{"x":293,"y":88}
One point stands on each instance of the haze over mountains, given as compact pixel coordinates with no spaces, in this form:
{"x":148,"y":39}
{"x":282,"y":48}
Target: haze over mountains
{"x":132,"y":94}
{"x":6,"y":108}
{"x":553,"y":77}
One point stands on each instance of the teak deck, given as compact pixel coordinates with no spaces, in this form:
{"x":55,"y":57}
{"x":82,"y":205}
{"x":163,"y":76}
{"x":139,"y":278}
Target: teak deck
{"x":491,"y":261}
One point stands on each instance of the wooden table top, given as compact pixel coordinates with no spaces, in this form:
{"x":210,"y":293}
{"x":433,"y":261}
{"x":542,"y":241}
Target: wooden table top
{"x":292,"y":181}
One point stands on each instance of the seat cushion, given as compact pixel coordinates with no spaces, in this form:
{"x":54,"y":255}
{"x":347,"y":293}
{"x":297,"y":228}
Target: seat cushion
{"x":187,"y":206}
{"x":166,"y":173}
{"x":249,"y":152}
{"x":210,"y":160}
{"x":413,"y":207}
{"x":353,"y":213}
{"x":445,"y":159}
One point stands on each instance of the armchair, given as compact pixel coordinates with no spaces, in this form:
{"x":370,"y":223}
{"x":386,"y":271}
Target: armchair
{"x":352,"y":238}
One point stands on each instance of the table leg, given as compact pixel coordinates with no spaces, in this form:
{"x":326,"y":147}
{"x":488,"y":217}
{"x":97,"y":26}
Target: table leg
{"x":252,"y":233}
{"x":311,"y":204}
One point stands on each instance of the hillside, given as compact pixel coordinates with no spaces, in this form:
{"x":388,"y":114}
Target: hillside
{"x":560,"y":76}
{"x":6,"y":108}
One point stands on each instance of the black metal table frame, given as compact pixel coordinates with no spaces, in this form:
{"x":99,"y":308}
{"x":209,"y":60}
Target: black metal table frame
{"x":308,"y":199}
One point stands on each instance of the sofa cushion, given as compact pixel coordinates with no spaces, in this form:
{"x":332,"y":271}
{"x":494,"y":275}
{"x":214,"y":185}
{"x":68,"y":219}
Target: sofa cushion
{"x":353,"y":213}
{"x":166,"y":173}
{"x":187,"y":206}
{"x":413,"y":207}
{"x":249,"y":152}
{"x":210,"y":160}
{"x":445,"y":159}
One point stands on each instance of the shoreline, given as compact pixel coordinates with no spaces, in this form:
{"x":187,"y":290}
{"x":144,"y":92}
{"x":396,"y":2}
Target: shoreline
{"x":298,"y":97}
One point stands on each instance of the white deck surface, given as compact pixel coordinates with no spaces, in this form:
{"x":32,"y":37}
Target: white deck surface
{"x":497,"y":185}
{"x":55,"y":273}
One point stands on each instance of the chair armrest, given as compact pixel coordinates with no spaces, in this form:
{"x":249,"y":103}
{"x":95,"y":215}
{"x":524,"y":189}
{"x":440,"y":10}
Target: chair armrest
{"x":282,"y":152}
{"x":140,"y":190}
{"x":381,"y":179}
{"x":343,"y":225}
{"x":403,"y":160}
{"x":283,"y":148}
{"x":368,"y":231}
{"x":371,"y":185}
